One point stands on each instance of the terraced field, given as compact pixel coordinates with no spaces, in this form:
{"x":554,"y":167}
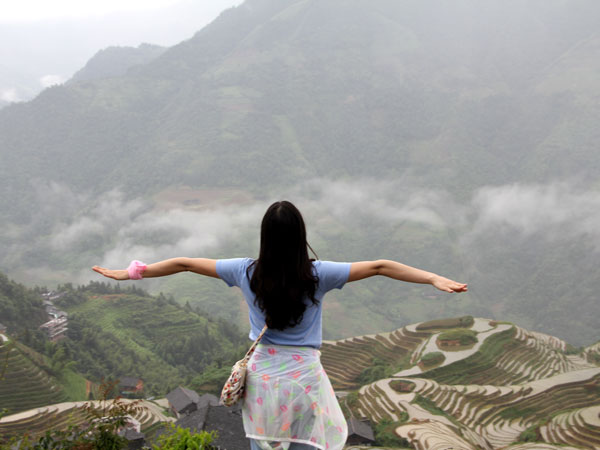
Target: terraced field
{"x":345,"y":360}
{"x":59,"y":416}
{"x":513,"y":385}
{"x":23,"y":384}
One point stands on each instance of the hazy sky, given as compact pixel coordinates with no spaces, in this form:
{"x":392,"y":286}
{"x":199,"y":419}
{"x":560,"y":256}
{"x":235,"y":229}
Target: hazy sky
{"x":42,"y":43}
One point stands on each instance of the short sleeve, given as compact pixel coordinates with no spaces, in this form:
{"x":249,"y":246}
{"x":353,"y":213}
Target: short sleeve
{"x":332,"y":275}
{"x":232,"y":270}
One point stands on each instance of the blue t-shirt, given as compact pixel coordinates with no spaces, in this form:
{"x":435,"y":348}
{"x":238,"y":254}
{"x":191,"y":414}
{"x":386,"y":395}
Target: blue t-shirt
{"x":306,"y":333}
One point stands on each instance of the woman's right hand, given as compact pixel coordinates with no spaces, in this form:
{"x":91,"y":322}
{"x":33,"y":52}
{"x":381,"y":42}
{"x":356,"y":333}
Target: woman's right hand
{"x":119,"y":274}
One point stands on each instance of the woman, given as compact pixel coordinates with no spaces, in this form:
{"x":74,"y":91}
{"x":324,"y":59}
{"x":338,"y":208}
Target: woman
{"x":289,"y":400}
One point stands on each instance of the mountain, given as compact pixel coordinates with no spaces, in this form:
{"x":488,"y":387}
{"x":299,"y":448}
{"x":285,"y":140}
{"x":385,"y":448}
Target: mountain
{"x":116,"y":61}
{"x":453,"y":136}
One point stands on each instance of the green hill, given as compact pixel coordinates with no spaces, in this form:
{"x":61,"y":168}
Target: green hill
{"x":114,"y":334}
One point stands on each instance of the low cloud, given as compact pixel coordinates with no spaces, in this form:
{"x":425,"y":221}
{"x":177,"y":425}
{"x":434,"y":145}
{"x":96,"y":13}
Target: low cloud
{"x":10,"y":95}
{"x":119,"y":228}
{"x":51,"y":80}
{"x":554,"y":211}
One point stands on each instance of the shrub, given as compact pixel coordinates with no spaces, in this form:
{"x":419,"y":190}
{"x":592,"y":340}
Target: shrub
{"x":456,"y":322}
{"x":530,"y":434}
{"x":402,"y":385}
{"x":463,"y":335}
{"x":432,"y":359}
{"x":182,"y":439}
{"x":385,"y":435}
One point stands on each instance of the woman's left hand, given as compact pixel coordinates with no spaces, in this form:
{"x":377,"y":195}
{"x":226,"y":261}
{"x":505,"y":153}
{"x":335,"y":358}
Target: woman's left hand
{"x":121,"y":274}
{"x":447,"y":285}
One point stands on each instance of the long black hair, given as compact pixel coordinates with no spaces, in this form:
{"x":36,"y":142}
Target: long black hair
{"x":283,"y":276}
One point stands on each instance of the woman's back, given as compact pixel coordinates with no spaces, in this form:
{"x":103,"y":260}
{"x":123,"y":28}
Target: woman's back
{"x":330,"y":275}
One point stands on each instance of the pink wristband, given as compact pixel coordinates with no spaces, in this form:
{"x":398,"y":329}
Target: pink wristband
{"x":136,"y":269}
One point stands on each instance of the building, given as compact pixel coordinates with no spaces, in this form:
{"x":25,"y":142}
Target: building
{"x":130,"y":386}
{"x":226,"y":421}
{"x":55,"y":329}
{"x":360,"y":432}
{"x":184,"y":401}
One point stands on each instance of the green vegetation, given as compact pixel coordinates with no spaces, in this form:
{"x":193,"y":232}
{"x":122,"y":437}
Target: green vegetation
{"x":430,"y":406}
{"x":461,"y":335}
{"x":385,"y":435}
{"x":457,"y":322}
{"x":478,"y":368}
{"x":112,"y":332}
{"x":531,"y":434}
{"x":25,"y":382}
{"x":432,"y":359}
{"x":177,"y":438}
{"x":211,"y":380}
{"x":516,"y":412}
{"x":21,"y":309}
{"x":377,"y":370}
{"x":154,"y":338}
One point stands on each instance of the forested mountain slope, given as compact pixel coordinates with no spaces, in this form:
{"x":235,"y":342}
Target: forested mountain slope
{"x":112,"y":333}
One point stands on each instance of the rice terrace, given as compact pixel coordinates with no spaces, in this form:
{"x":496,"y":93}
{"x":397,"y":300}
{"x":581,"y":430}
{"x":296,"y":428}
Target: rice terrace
{"x":511,"y":386}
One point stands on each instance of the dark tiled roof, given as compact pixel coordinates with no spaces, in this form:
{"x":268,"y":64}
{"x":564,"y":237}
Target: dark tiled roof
{"x":227,"y":422}
{"x":208,"y":399}
{"x":128,"y":382}
{"x":195,"y":420}
{"x":181,"y":397}
{"x":360,"y":428}
{"x":131,"y":435}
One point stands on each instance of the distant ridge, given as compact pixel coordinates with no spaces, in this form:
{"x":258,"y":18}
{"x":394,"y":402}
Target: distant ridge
{"x":116,"y":61}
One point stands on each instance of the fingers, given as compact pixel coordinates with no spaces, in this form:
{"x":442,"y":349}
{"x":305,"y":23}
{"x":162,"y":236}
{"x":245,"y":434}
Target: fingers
{"x":104,"y":271}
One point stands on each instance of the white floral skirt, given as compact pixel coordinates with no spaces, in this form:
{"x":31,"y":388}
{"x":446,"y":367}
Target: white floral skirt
{"x":289,"y":398}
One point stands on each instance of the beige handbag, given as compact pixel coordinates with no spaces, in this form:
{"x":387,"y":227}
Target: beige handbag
{"x":235,"y":385}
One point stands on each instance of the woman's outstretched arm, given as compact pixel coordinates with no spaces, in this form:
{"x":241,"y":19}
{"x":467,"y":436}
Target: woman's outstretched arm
{"x":201,"y":266}
{"x":402,"y":272}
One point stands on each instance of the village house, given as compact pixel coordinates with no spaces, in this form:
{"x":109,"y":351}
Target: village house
{"x":57,"y":325}
{"x":135,"y":439}
{"x":184,"y":401}
{"x":130,"y":386}
{"x":55,"y":329}
{"x":360,"y":432}
{"x":226,"y":421}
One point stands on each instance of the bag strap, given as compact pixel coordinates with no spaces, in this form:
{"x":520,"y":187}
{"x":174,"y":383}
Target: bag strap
{"x":251,"y":350}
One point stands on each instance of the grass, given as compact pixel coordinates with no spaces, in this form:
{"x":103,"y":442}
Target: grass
{"x":73,"y":385}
